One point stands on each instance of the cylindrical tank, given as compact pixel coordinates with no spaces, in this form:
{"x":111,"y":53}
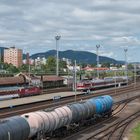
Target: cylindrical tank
{"x":103,"y":104}
{"x":81,"y":111}
{"x":110,"y":100}
{"x":48,"y":121}
{"x":65,"y":115}
{"x":77,"y":111}
{"x":14,"y":128}
{"x":96,"y":102}
{"x":35,"y":121}
{"x":91,"y":109}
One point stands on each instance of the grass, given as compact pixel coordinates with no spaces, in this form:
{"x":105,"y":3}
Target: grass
{"x":135,"y":133}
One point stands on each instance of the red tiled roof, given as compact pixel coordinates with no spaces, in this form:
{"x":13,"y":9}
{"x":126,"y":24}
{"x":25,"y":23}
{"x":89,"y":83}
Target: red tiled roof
{"x":101,"y":68}
{"x":88,"y":68}
{"x":91,"y":68}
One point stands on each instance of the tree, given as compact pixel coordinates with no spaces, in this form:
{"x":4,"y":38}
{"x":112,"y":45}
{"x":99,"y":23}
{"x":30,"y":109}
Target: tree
{"x":106,"y":64}
{"x":12,"y":69}
{"x":130,"y":67}
{"x":51,"y":64}
{"x":62,"y":64}
{"x":24,"y":68}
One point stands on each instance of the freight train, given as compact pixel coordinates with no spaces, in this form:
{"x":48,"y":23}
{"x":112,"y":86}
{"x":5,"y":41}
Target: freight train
{"x":85,"y":85}
{"x":17,"y":92}
{"x":55,"y":122}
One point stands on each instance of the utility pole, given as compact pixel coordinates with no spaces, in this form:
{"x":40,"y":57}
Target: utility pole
{"x":115,"y":80}
{"x":75,"y":79}
{"x":57,"y":38}
{"x":97,"y":53}
{"x":29,"y":68}
{"x":29,"y":75}
{"x":135,"y":77}
{"x":126,"y":69}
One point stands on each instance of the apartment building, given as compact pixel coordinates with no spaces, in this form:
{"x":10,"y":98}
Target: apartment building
{"x":13,"y":56}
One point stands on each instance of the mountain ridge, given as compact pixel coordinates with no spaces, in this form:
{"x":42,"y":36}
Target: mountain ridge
{"x":79,"y":56}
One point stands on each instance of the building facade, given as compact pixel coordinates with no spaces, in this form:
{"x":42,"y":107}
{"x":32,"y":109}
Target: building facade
{"x":13,"y":56}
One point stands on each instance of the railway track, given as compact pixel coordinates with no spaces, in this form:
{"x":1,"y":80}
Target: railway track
{"x":121,"y":126}
{"x":116,"y":130}
{"x":7,"y":112}
{"x":54,"y":90}
{"x":108,"y":131}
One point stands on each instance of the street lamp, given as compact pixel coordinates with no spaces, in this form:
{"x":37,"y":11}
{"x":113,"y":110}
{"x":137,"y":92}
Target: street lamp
{"x":57,"y":38}
{"x":135,"y":76}
{"x":75,"y":79}
{"x":97,"y":53}
{"x":126,"y":71}
{"x":115,"y":80}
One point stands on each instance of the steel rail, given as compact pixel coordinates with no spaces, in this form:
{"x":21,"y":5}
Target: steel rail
{"x":49,"y":103}
{"x":98,"y":124}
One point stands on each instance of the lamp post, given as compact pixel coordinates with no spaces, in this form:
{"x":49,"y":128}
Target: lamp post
{"x":135,"y":77}
{"x":97,"y":53}
{"x":126,"y":70}
{"x":75,"y":79}
{"x":57,"y":38}
{"x":115,"y":80}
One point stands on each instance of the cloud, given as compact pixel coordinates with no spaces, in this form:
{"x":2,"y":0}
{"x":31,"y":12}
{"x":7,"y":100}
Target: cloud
{"x":82,"y":14}
{"x":82,"y":24}
{"x":108,"y":54}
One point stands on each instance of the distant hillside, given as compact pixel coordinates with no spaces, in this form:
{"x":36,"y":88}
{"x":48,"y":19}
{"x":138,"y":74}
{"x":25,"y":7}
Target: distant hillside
{"x":79,"y":56}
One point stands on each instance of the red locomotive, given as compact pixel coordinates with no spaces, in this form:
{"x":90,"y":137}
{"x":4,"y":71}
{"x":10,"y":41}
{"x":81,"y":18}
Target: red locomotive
{"x":16,"y":92}
{"x":28,"y":91}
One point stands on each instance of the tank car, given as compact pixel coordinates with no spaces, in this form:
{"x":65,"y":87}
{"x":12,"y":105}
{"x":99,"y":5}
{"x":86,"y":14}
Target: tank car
{"x":48,"y":121}
{"x":14,"y":128}
{"x":56,"y":121}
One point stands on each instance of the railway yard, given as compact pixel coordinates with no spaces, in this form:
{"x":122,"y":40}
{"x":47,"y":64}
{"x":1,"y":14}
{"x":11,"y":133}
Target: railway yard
{"x":114,"y":128}
{"x":125,"y":111}
{"x":70,"y":70}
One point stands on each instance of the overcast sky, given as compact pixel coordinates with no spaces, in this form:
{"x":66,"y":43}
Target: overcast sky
{"x":32,"y":25}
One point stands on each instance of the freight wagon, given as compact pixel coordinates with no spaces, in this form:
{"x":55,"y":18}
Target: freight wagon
{"x":55,"y":122}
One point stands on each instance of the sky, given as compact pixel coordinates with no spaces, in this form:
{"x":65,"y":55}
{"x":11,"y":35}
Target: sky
{"x":33,"y":24}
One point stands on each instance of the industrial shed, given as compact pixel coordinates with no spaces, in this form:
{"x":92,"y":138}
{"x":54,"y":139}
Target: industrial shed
{"x":12,"y":81}
{"x":52,"y":81}
{"x":45,"y":81}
